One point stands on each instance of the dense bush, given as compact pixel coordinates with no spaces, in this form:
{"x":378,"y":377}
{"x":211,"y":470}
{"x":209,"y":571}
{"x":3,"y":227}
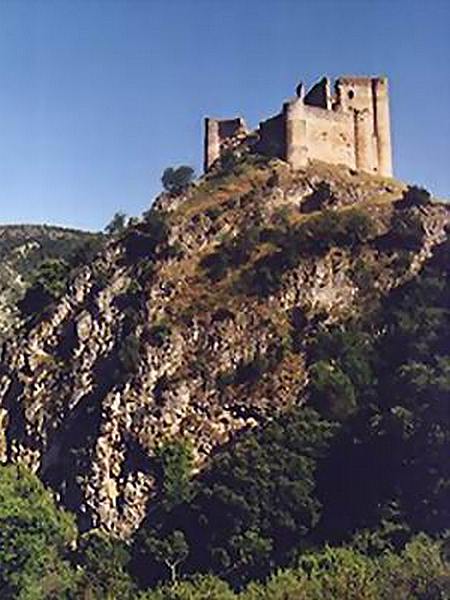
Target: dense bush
{"x":142,"y":240}
{"x":344,"y":229}
{"x":129,"y":353}
{"x":49,"y":281}
{"x":332,"y":392}
{"x":104,"y":567}
{"x":414,"y":196}
{"x":418,"y":573}
{"x":256,"y":503}
{"x":34,"y":539}
{"x":228,"y":162}
{"x":177,"y":180}
{"x":407,"y":230}
{"x":206,"y":587}
{"x":51,"y":275}
{"x":231,"y":254}
{"x":117,"y":224}
{"x":157,"y":334}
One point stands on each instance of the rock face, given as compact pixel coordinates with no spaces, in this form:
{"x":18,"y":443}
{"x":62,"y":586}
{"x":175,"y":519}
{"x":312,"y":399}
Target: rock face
{"x":160,"y":339}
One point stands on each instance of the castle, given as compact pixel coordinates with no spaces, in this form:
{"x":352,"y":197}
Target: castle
{"x":349,"y":127}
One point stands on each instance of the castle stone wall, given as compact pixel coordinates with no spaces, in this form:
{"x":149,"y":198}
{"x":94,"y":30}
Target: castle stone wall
{"x":272,"y":137}
{"x":350,"y":127}
{"x":217,"y":133}
{"x":330,"y":139}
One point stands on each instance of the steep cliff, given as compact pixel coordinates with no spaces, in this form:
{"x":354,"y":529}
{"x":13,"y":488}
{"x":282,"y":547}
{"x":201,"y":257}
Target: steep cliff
{"x":194,"y":323}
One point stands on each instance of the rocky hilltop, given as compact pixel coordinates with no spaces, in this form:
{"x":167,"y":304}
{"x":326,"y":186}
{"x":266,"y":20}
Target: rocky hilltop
{"x":194,"y":323}
{"x":22,"y":249}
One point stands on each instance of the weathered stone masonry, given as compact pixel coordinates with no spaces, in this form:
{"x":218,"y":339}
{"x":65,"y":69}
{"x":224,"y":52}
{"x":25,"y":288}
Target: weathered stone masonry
{"x":350,"y":127}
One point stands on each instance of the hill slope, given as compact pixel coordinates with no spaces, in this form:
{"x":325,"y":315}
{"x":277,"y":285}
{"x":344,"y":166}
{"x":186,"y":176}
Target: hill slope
{"x":195,"y":322}
{"x":22,"y":249}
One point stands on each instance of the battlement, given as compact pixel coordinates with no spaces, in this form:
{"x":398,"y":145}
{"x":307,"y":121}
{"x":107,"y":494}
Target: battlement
{"x":349,"y":125}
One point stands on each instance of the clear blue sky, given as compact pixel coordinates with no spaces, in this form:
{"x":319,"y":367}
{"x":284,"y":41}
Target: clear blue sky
{"x":97,"y":98}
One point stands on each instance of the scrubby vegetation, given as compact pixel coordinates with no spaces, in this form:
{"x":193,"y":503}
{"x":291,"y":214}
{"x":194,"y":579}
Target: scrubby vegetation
{"x":348,"y":498}
{"x":345,"y":493}
{"x":177,"y":180}
{"x":312,"y":238}
{"x":49,"y":280}
{"x":142,"y":240}
{"x":117,"y":223}
{"x":38,"y":258}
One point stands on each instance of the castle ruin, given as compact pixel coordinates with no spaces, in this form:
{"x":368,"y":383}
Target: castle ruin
{"x":349,"y":127}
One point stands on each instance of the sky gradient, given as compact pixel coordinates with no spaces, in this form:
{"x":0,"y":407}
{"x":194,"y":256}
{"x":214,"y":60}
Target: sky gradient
{"x":97,"y":98}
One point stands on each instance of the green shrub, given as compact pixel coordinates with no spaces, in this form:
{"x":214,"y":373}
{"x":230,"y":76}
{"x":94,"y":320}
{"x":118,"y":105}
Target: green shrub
{"x":158,"y":334}
{"x":363,"y":274}
{"x":315,"y":237}
{"x":175,"y":461}
{"x":332,"y":392}
{"x":104,"y":561}
{"x":48,"y":282}
{"x":200,"y":587}
{"x":342,"y":573}
{"x":35,"y":537}
{"x":414,"y":196}
{"x":406,"y":231}
{"x":177,"y":180}
{"x":230,"y":254}
{"x":143,"y":240}
{"x":117,"y":224}
{"x":420,"y":571}
{"x":344,"y":229}
{"x":287,"y":584}
{"x":229,"y":161}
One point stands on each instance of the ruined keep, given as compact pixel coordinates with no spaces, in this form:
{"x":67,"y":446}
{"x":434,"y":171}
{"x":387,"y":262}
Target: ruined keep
{"x":349,"y":127}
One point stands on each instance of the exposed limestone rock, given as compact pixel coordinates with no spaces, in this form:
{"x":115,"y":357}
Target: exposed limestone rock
{"x":147,"y":349}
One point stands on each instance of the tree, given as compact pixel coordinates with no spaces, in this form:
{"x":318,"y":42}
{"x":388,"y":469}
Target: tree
{"x":35,"y":537}
{"x":393,"y":451}
{"x":104,"y":561}
{"x":48,"y":283}
{"x":117,"y":223}
{"x":332,"y":392}
{"x":176,"y":181}
{"x":171,"y":550}
{"x":200,"y":587}
{"x":257,"y":503}
{"x":144,"y":239}
{"x":414,"y":196}
{"x":175,"y":462}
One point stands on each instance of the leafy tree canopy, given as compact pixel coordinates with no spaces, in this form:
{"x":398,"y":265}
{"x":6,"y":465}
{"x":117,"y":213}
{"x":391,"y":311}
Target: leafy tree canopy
{"x":117,"y":223}
{"x":176,"y":180}
{"x":35,"y":537}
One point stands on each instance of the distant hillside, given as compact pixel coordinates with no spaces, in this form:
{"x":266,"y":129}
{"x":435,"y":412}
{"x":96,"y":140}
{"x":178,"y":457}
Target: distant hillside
{"x":22,"y":249}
